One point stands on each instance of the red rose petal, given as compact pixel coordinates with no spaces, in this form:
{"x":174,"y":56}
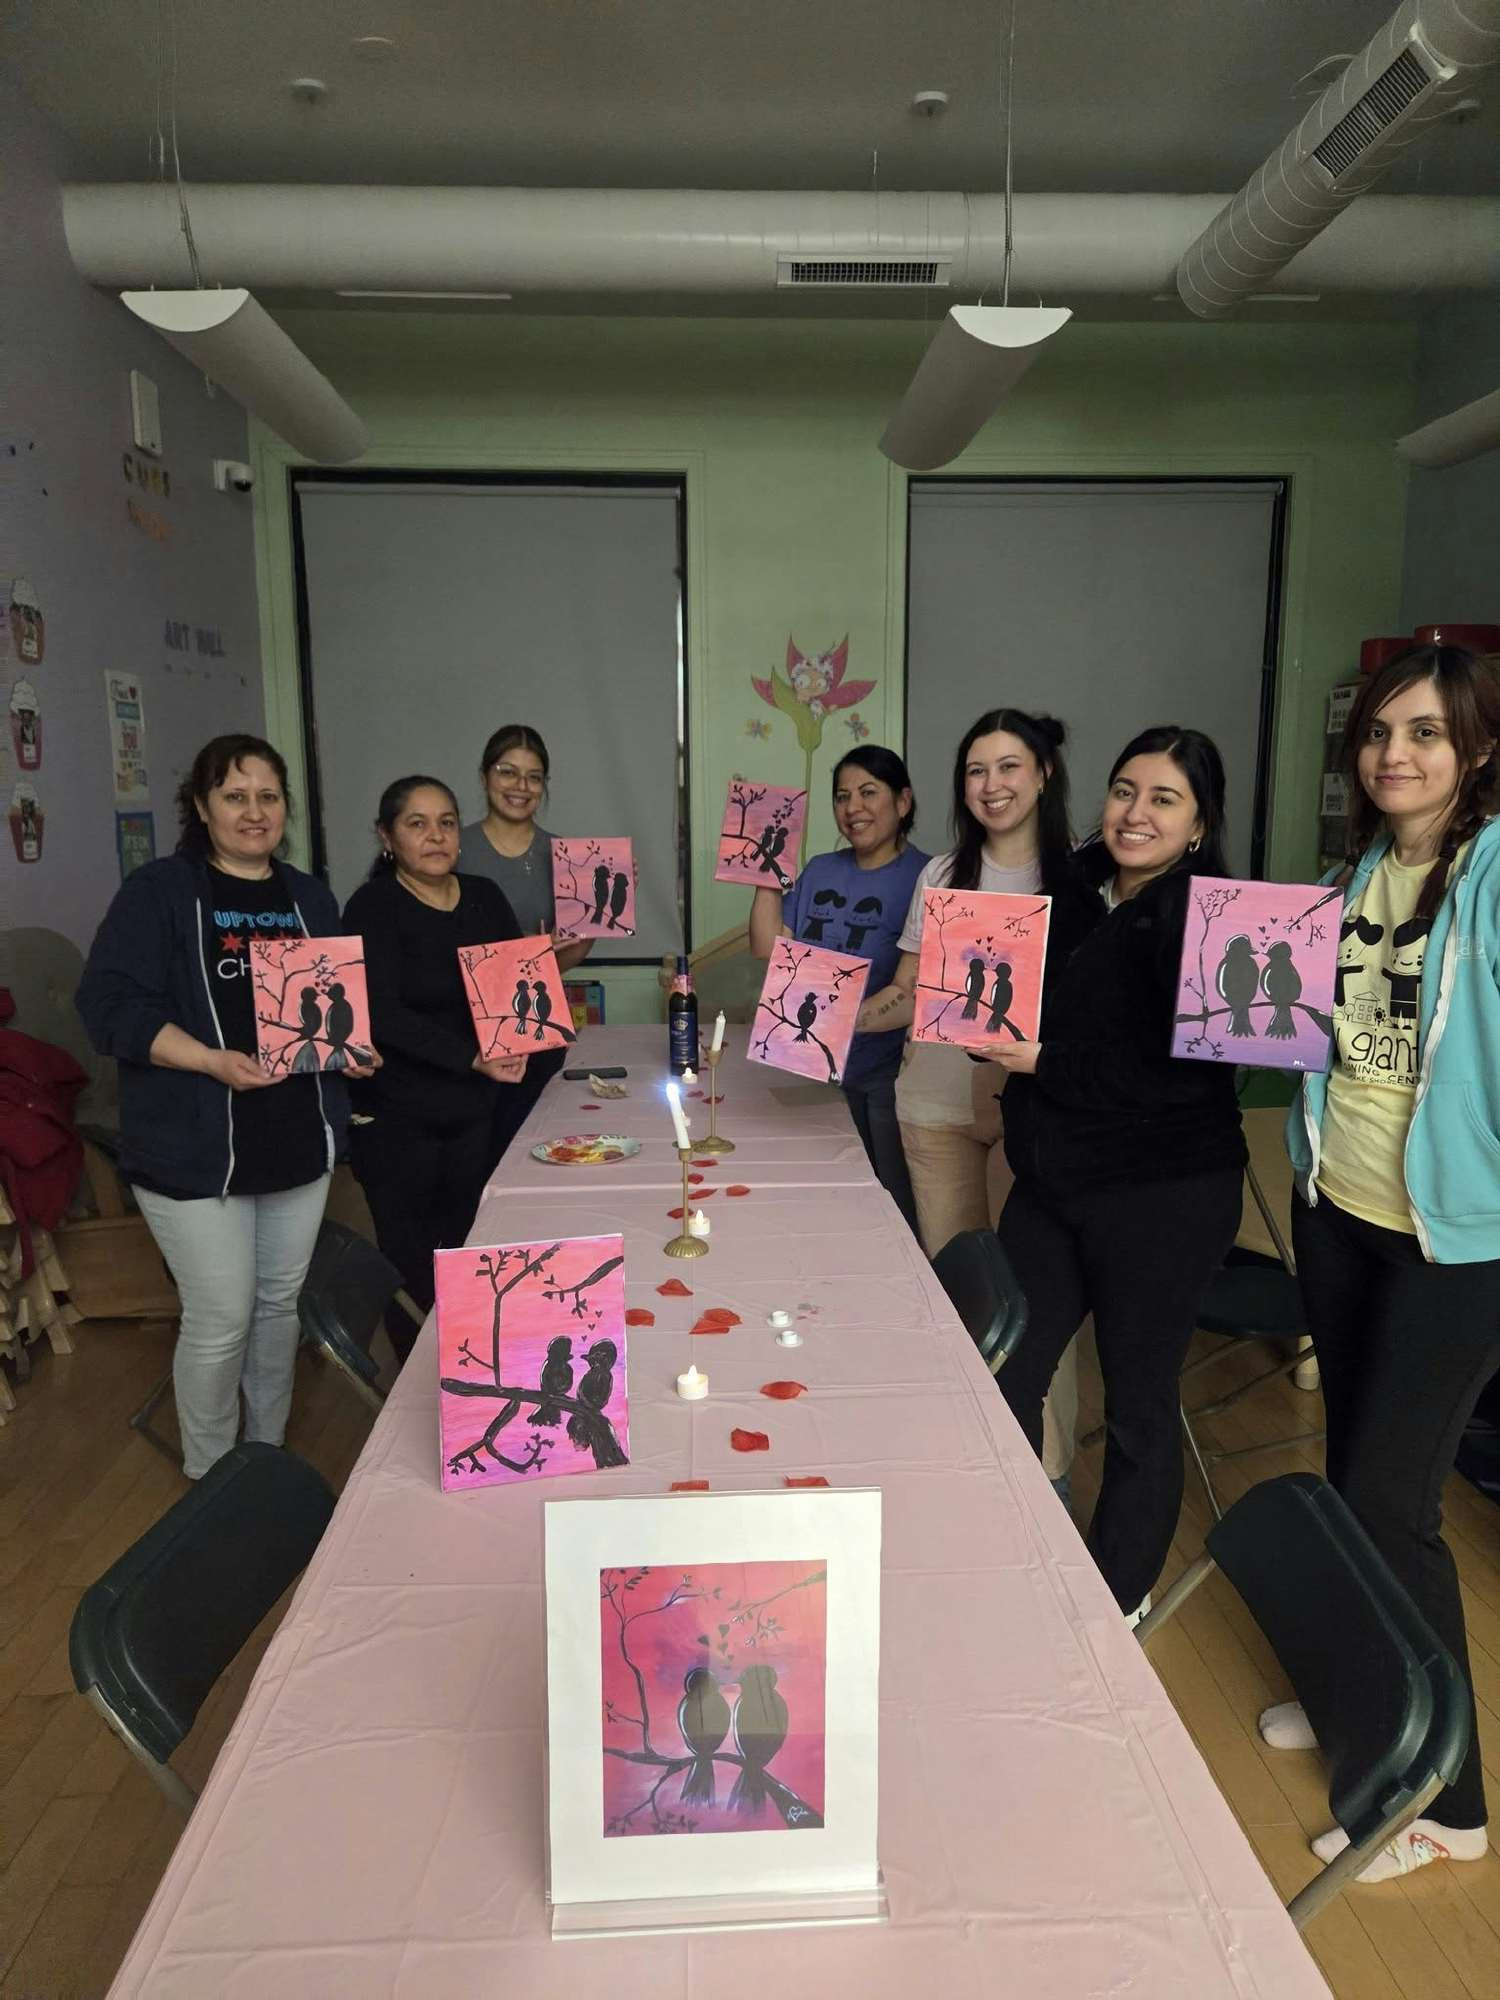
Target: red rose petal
{"x":738,"y":1188}
{"x":693,"y":1486}
{"x":783,"y":1392}
{"x":638,"y":1316}
{"x":749,"y":1440}
{"x":693,"y":1093}
{"x":675,"y":1213}
{"x":674,"y":1288}
{"x":694,"y":1179}
{"x":811,"y":1479}
{"x":721,"y":1316}
{"x":708,"y":1324}
{"x":591,"y":1107}
{"x":705,"y":1163}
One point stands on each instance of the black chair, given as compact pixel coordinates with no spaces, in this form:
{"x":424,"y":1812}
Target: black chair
{"x":975,"y":1273}
{"x":151,"y":1637}
{"x":348,"y":1290}
{"x":1383,"y":1697}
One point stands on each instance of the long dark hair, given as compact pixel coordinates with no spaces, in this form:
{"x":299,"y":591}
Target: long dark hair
{"x":1468,"y":686}
{"x":211,"y":767}
{"x":1197,"y":757}
{"x":1043,"y":736}
{"x":886,"y":768}
{"x":393,"y":804}
{"x":514,"y":736}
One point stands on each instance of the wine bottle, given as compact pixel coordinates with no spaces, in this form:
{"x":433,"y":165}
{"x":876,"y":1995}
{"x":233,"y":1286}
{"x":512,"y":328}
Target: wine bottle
{"x":682,"y":1021}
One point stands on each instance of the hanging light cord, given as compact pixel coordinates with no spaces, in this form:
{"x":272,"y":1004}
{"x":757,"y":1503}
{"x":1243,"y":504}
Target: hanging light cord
{"x":1010,"y":119}
{"x":156,"y":149}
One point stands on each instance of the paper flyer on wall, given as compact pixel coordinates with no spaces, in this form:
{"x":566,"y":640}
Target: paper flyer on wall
{"x":127,"y":739}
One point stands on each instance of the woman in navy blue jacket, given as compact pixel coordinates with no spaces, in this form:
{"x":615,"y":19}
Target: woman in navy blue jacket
{"x":229,"y":1167}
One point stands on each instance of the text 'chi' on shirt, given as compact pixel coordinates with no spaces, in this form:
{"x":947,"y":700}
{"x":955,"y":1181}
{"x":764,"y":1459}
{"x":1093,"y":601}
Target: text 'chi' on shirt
{"x":1372,"y":1085}
{"x":936,"y":1085}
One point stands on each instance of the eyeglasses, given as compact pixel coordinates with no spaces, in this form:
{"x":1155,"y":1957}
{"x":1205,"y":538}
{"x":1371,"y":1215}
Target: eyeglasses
{"x":533,"y":781}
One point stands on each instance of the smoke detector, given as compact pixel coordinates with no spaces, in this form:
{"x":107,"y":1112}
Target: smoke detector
{"x":930,"y":103}
{"x":309,"y":89}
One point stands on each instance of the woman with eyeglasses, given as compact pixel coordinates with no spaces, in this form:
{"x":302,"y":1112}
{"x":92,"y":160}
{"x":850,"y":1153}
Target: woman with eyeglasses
{"x":510,"y":848}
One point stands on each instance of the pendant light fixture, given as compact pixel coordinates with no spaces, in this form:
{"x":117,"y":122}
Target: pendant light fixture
{"x":979,"y":351}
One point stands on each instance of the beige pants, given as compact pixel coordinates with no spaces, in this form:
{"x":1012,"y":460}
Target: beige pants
{"x":959,"y":1178}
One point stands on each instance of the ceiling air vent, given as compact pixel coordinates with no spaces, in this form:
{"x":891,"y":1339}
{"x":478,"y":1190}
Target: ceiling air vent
{"x":1389,"y":98}
{"x":829,"y":271}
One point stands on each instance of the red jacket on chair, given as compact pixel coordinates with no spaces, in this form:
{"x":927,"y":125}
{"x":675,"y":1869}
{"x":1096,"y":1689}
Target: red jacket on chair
{"x":40,"y":1152}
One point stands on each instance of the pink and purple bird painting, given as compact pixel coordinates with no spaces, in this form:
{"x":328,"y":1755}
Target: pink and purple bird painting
{"x":531,"y":1360}
{"x":312,"y":1010}
{"x":714,"y":1689}
{"x":515,"y":995}
{"x":760,"y":836}
{"x":980,"y":970}
{"x":804,"y":1019}
{"x":593,"y":887}
{"x":1256,"y":983}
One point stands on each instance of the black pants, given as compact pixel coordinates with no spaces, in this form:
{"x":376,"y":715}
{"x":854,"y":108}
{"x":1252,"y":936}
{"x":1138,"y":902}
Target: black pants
{"x":1138,"y":1256}
{"x":423,"y":1184}
{"x":873,"y":1106}
{"x":1404,"y":1348}
{"x":516,"y":1101}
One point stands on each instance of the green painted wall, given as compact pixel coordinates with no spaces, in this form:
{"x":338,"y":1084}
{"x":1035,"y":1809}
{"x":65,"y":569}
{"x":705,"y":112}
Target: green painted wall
{"x":796,"y":523}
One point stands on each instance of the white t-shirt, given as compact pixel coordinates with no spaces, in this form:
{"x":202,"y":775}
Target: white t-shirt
{"x":936,"y":1084}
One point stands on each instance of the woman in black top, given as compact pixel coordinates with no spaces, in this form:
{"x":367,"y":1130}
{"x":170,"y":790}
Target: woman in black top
{"x":229,"y":1167}
{"x":1128,"y":1163}
{"x":422,"y":1139}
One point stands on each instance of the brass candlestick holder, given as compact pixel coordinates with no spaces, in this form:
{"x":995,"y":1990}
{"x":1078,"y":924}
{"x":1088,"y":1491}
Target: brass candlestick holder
{"x":713,"y":1143}
{"x":686,"y":1245}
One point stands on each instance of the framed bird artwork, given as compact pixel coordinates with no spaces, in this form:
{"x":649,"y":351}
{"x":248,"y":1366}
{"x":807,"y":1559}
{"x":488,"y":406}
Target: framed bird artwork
{"x":761,"y":835}
{"x":712,"y":1695}
{"x":531,"y":1360}
{"x":515,"y":994}
{"x":979,"y":972}
{"x":593,"y":887}
{"x":1256,"y":985}
{"x":312,"y":1010}
{"x":804,"y":1019}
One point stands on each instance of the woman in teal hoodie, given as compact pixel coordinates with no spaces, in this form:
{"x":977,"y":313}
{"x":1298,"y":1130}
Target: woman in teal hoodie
{"x":1397,"y":1157}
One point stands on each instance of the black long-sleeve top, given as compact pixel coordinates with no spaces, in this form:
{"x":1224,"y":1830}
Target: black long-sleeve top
{"x":1108,"y":1101}
{"x":419,"y":1013}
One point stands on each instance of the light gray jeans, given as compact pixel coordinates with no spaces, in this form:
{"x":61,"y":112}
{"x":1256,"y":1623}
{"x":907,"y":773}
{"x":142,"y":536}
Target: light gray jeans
{"x":238,"y":1265}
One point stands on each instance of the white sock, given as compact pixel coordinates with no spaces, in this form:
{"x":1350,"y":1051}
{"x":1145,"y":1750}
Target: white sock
{"x":1423,"y":1841}
{"x":1286,"y":1727}
{"x":1133,"y":1618}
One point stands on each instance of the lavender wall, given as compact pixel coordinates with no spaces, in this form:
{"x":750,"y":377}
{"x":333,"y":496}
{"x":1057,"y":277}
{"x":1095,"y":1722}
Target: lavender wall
{"x":112,"y":595}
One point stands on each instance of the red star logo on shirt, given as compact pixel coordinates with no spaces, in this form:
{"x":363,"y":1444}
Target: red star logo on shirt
{"x":233,"y":941}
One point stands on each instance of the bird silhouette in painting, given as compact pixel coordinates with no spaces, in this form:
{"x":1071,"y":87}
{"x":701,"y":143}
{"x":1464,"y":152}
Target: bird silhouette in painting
{"x":542,"y":1005}
{"x":601,"y":893}
{"x":310,"y":1019}
{"x":619,"y":896}
{"x":760,"y":1724}
{"x":1001,"y":995}
{"x":1238,"y":982}
{"x":771,"y":863}
{"x":557,"y":1380}
{"x":973,"y":989}
{"x":703,"y":1718}
{"x":862,"y":920}
{"x":521,"y":1005}
{"x":594,"y":1392}
{"x":824,"y":903}
{"x":340,"y":1025}
{"x":807,"y":1015}
{"x":1281,"y":983}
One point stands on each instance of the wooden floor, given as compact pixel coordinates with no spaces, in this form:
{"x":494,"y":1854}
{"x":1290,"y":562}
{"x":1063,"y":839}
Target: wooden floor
{"x":85,"y":1835}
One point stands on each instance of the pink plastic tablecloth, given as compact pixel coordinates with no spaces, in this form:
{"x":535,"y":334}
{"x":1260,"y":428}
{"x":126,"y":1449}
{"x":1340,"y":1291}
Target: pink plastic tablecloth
{"x":793,"y":1133}
{"x":374,"y":1824}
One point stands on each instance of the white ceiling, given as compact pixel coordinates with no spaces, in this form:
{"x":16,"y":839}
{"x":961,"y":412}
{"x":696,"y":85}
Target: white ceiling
{"x":1111,"y":95}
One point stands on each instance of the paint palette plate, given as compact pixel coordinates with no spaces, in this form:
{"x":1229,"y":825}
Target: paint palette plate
{"x":586,"y":1149}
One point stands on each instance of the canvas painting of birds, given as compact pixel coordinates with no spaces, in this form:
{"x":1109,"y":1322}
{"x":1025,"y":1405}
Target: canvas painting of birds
{"x":515,"y":993}
{"x":1258,"y":973}
{"x":760,"y":835}
{"x":312,"y":1009}
{"x":804,"y":1019}
{"x":593,"y":886}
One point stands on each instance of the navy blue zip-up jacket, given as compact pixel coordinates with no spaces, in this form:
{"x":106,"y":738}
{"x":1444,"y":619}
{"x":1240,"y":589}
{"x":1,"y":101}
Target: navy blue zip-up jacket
{"x":145,"y":971}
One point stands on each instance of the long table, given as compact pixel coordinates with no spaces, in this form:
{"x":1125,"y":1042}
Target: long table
{"x":374,"y":1823}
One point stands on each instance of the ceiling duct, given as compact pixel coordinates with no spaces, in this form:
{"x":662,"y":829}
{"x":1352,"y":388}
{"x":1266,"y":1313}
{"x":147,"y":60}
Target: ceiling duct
{"x":1411,"y":74}
{"x":1461,"y":435}
{"x":610,"y":241}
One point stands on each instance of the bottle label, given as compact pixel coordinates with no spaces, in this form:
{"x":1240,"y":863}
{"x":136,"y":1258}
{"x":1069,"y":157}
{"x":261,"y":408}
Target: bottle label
{"x":682,"y":1038}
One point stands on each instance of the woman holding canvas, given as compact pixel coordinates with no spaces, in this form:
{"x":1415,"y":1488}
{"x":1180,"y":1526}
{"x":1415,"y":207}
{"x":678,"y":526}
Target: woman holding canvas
{"x":229,"y":1167}
{"x":1397,"y":1158}
{"x":423,"y":1139}
{"x":511,"y":849}
{"x":1012,"y":837}
{"x":855,"y":901}
{"x":1128,"y":1164}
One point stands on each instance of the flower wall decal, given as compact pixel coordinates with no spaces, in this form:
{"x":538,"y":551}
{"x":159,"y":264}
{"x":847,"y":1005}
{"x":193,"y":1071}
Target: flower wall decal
{"x":808,"y":691}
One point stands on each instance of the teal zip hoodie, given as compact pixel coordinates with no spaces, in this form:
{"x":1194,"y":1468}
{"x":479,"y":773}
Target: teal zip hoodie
{"x":1453,"y":1143}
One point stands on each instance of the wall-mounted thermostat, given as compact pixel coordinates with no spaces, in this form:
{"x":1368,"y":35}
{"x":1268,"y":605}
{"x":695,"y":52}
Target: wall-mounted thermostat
{"x":145,"y":413}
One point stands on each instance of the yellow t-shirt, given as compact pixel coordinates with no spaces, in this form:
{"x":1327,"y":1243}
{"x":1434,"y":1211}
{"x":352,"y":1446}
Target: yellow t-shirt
{"x":1372,"y":1086}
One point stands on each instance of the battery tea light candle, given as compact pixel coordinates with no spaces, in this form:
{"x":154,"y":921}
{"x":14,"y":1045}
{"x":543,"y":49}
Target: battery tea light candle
{"x":692,"y":1385}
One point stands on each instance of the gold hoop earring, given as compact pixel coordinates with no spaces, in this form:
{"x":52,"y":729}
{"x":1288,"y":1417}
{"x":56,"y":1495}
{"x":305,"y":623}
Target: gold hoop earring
{"x":1194,"y":845}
